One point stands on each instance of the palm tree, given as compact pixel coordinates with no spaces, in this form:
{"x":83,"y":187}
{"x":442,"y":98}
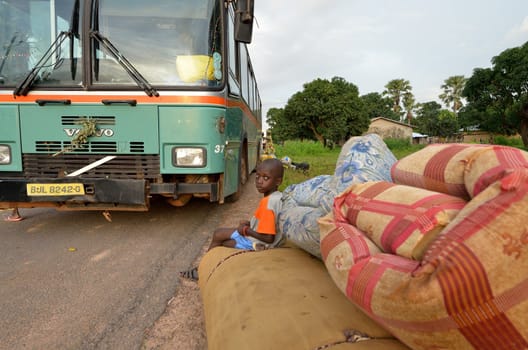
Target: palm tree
{"x":396,"y":89}
{"x":409,"y":104}
{"x":452,"y":95}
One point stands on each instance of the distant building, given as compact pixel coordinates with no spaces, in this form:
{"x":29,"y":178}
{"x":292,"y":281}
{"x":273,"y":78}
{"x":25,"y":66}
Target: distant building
{"x":388,"y":128}
{"x":419,"y":139}
{"x":478,"y":136}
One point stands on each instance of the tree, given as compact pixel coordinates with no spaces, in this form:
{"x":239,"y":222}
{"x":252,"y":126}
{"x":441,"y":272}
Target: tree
{"x":512,"y":66}
{"x":498,"y":96}
{"x":328,"y":110}
{"x":427,"y":118}
{"x":452,"y":95}
{"x":279,"y":125}
{"x":378,"y":106}
{"x":408,"y":104}
{"x":396,"y":89}
{"x":447,"y":124}
{"x":432,"y":120}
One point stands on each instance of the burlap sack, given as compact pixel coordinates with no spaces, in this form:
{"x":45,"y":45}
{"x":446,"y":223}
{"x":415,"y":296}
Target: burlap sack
{"x":343,"y":246}
{"x":399,"y":219}
{"x":437,"y":167}
{"x":491,"y":164}
{"x":471,"y":289}
{"x":280,"y":299}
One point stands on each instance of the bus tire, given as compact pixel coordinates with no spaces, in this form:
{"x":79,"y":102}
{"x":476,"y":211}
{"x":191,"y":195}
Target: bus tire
{"x":242,"y":174}
{"x":181,"y":201}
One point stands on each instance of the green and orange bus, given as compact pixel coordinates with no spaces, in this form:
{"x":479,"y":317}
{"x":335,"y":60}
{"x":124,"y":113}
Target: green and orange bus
{"x":105,"y":104}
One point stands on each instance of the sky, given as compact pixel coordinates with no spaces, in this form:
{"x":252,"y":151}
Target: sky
{"x":370,"y":42}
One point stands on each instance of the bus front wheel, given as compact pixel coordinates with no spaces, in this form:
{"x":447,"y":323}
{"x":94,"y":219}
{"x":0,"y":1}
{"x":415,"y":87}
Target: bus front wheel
{"x":242,"y":174}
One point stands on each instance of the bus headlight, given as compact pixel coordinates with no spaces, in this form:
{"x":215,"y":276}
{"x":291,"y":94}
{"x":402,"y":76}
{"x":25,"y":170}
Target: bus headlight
{"x":5,"y":154}
{"x":189,"y":156}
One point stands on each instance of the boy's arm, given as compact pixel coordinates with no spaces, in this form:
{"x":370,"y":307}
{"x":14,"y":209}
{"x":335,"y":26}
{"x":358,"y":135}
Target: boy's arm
{"x":264,"y":237}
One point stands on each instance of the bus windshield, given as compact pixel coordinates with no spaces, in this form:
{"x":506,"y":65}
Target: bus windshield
{"x":28,"y":29}
{"x":171,"y":43}
{"x":176,"y":43}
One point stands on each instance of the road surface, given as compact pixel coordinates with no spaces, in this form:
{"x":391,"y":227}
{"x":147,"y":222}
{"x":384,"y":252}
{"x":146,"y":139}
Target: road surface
{"x":74,"y":280}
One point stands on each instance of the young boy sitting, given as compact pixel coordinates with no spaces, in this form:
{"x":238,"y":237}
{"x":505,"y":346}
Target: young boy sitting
{"x":261,"y":232}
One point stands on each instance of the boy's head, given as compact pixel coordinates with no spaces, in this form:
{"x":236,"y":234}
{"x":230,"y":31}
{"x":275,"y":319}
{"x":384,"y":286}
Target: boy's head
{"x":269,"y":176}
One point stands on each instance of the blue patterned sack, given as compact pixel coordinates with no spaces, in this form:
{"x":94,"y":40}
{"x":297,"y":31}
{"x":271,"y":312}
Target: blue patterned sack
{"x":300,"y":226}
{"x":362,"y":158}
{"x":316,"y":192}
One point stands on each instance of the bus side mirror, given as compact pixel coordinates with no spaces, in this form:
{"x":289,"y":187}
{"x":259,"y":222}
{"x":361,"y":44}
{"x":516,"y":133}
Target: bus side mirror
{"x":244,"y":21}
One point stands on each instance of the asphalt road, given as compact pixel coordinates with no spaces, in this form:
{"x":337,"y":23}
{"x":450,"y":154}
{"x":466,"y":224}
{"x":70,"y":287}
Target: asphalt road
{"x":73,"y":280}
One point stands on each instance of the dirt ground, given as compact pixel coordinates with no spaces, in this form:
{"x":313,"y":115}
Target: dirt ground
{"x":182,"y":324}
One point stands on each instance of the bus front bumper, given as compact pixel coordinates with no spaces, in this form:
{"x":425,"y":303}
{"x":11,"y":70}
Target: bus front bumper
{"x":75,"y":193}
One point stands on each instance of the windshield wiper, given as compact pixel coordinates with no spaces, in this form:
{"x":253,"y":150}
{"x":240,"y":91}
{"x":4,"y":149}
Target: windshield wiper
{"x":23,"y":88}
{"x":127,"y":66}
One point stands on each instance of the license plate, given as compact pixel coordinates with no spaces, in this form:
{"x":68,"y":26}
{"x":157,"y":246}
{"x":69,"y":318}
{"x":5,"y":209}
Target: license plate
{"x":65,"y":189}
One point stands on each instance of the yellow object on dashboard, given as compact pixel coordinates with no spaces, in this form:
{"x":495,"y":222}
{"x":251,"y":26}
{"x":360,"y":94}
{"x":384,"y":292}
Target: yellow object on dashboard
{"x":192,"y":68}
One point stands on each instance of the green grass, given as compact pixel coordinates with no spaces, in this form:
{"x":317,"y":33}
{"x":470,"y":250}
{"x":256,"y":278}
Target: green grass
{"x":509,"y":141}
{"x":402,"y":147}
{"x":323,"y":160}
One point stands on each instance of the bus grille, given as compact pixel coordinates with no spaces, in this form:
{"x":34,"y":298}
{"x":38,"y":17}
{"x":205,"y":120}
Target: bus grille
{"x":92,"y":146}
{"x":77,"y":120}
{"x":122,"y":167}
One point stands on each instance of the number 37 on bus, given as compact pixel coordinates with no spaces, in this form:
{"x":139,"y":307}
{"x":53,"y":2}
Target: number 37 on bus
{"x":107,"y":103}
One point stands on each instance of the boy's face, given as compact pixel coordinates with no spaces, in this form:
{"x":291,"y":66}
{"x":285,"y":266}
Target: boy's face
{"x":266,"y":179}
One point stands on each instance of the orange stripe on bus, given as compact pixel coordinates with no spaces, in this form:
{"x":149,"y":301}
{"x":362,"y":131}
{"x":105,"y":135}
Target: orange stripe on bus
{"x":98,"y":98}
{"x":167,"y":99}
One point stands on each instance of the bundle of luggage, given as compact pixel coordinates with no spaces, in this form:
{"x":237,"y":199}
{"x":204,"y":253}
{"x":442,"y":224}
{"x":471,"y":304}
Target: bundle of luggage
{"x":428,"y":252}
